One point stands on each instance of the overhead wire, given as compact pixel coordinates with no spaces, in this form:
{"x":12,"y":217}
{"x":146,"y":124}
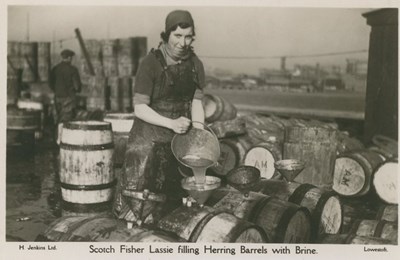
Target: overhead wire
{"x":283,"y":56}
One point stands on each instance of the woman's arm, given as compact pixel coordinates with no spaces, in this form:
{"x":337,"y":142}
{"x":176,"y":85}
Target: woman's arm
{"x":197,"y":111}
{"x":147,"y":114}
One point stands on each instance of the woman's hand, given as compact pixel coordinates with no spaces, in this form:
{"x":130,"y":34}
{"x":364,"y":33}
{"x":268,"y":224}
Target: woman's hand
{"x":180,"y":125}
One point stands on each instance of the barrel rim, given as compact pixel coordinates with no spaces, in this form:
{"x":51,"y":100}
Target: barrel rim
{"x":119,"y":115}
{"x":87,"y":125}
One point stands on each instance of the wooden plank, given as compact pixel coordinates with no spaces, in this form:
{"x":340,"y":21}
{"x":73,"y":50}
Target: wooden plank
{"x":84,"y":51}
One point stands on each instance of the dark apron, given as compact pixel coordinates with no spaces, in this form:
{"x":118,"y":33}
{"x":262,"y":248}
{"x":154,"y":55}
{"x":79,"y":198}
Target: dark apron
{"x":149,"y":161}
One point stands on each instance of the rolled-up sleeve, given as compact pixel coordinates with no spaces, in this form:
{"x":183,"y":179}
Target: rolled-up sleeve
{"x":144,"y":82}
{"x":199,"y":93}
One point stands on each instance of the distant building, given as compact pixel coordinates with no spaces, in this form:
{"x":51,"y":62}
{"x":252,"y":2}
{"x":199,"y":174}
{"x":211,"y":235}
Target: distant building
{"x":356,"y":67}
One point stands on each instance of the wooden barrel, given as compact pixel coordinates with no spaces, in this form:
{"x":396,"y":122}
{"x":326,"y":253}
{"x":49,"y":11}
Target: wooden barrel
{"x":385,"y":155}
{"x":125,"y":52}
{"x":114,"y":84}
{"x":283,"y":222}
{"x":229,"y":128}
{"x":126,"y":93}
{"x":354,"y":209}
{"x":388,"y":213}
{"x":316,"y":146}
{"x":348,"y":144}
{"x":232,"y":153}
{"x":86,"y":166}
{"x":22,"y":119}
{"x":121,"y":125}
{"x":125,"y":68}
{"x":96,"y":93}
{"x":37,"y":107}
{"x":387,"y":144}
{"x":109,"y":48}
{"x":376,"y":228}
{"x":29,"y":59}
{"x":44,"y":61}
{"x":207,"y":225}
{"x":218,"y":109}
{"x":353,"y":172}
{"x":385,"y":181}
{"x":97,"y":86}
{"x":95,"y":103}
{"x":325,"y":206}
{"x":93,"y":48}
{"x":352,"y":239}
{"x":13,"y":86}
{"x":140,"y":50}
{"x":110,"y":66}
{"x":101,"y":228}
{"x":13,"y":48}
{"x":263,"y":156}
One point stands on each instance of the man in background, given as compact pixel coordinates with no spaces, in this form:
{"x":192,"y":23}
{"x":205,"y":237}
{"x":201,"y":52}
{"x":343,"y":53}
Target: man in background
{"x":65,"y":82}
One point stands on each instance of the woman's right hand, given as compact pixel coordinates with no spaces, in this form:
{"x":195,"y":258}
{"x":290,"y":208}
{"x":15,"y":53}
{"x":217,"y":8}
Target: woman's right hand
{"x":180,"y":125}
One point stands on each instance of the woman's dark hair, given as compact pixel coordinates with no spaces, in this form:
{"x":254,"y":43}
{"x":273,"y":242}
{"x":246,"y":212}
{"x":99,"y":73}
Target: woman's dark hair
{"x":165,"y":35}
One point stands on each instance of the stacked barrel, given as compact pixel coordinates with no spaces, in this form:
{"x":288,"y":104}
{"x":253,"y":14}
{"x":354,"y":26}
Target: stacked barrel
{"x":345,"y":195}
{"x":114,"y":61}
{"x":44,"y":61}
{"x":341,"y":173}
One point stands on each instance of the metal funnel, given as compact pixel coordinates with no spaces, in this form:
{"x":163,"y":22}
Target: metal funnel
{"x":289,"y":168}
{"x":243,"y":178}
{"x":200,"y":143}
{"x":200,"y":193}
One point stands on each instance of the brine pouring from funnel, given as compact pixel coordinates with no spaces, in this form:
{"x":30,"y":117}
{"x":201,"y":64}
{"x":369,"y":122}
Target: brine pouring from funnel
{"x":197,"y":149}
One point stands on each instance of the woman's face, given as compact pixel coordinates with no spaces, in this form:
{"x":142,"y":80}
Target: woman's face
{"x":180,"y":40}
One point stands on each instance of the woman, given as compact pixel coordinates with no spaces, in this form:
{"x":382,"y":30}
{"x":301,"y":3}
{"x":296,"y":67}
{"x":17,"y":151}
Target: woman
{"x":167,"y":97}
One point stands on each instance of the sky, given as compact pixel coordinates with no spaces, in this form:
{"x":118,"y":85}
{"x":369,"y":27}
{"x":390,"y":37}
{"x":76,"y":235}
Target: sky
{"x":221,"y":31}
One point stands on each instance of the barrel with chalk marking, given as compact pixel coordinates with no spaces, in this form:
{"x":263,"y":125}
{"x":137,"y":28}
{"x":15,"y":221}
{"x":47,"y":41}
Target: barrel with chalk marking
{"x":86,"y":166}
{"x":354,"y":171}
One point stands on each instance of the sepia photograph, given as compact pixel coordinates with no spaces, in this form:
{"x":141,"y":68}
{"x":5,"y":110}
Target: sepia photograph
{"x":221,"y":129}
